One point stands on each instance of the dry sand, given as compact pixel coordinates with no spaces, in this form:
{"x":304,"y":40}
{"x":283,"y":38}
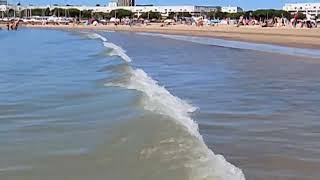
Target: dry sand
{"x":303,"y":38}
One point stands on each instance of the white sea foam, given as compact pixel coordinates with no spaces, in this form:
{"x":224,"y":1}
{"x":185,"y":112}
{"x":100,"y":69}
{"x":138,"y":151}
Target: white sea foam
{"x":114,"y":50}
{"x":96,"y":36}
{"x":242,"y":45}
{"x":117,"y":51}
{"x":159,"y":100}
{"x":14,"y":168}
{"x":109,"y":31}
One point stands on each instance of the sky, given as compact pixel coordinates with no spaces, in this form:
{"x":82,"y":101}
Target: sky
{"x":245,"y":4}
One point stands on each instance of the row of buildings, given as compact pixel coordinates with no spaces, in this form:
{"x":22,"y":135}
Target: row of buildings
{"x":131,"y":5}
{"x":124,"y":4}
{"x":311,"y":8}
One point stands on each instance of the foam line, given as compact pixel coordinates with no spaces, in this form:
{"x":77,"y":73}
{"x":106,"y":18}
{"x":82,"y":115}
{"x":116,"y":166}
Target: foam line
{"x":114,"y":50}
{"x":312,"y":53}
{"x":117,"y":51}
{"x":96,"y":36}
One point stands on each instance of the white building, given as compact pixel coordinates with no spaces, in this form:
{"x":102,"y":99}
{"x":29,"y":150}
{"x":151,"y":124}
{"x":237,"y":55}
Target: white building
{"x":3,"y":5}
{"x":126,"y":2}
{"x":231,"y":9}
{"x":311,"y":8}
{"x":164,"y":10}
{"x":112,"y":4}
{"x":3,"y":9}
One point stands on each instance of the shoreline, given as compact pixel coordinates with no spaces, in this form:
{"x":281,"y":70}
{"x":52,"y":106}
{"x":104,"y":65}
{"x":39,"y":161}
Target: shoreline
{"x":289,"y":37}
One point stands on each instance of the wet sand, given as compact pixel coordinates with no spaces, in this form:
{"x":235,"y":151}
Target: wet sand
{"x":302,"y":38}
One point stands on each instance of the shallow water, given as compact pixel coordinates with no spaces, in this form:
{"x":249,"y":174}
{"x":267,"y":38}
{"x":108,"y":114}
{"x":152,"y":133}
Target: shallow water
{"x":74,"y":106}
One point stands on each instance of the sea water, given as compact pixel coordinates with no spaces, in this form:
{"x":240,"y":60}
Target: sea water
{"x":109,"y":105}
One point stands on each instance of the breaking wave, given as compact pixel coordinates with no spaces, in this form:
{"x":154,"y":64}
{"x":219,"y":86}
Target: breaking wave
{"x":117,"y":51}
{"x":95,"y":36}
{"x":113,"y":49}
{"x":159,"y":100}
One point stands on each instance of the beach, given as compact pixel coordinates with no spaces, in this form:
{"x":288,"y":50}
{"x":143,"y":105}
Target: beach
{"x":301,"y":38}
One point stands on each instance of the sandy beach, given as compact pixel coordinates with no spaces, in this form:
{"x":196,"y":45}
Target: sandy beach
{"x":302,"y":38}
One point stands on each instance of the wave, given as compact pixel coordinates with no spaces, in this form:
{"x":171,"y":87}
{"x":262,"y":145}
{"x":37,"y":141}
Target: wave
{"x":113,"y":49}
{"x":89,"y":35}
{"x":96,"y":36}
{"x":312,"y":53}
{"x":159,"y":100}
{"x":14,"y":168}
{"x":108,"y":31}
{"x":117,"y":51}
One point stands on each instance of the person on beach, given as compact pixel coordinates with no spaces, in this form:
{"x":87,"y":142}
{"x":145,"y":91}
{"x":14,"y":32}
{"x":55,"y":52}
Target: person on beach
{"x":15,"y":25}
{"x":308,"y":21}
{"x":9,"y":26}
{"x":240,"y":22}
{"x":284,"y":21}
{"x":77,"y":20}
{"x":295,"y":20}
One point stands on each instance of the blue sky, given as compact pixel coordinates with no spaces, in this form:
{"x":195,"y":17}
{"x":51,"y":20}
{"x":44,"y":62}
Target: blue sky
{"x":246,"y":4}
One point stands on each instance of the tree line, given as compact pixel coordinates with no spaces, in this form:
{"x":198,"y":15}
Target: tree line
{"x":86,"y":14}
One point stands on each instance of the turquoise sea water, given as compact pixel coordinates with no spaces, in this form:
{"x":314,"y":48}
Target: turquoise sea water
{"x":109,"y":105}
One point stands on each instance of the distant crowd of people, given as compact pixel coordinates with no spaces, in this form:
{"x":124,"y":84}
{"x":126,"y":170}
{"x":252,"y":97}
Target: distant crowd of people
{"x":308,"y":22}
{"x":297,"y":20}
{"x":13,"y":25}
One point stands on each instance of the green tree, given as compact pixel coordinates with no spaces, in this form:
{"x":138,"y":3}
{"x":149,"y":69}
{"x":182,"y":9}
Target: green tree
{"x":217,"y":15}
{"x":11,"y":13}
{"x":183,"y":14}
{"x":47,"y":12}
{"x":121,"y":13}
{"x":301,"y":16}
{"x":172,"y":15}
{"x":74,"y":12}
{"x":101,"y":15}
{"x":38,"y":12}
{"x":284,"y":14}
{"x":235,"y":15}
{"x":248,"y":14}
{"x":86,"y":14}
{"x":59,"y":12}
{"x":270,"y":13}
{"x":151,"y":15}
